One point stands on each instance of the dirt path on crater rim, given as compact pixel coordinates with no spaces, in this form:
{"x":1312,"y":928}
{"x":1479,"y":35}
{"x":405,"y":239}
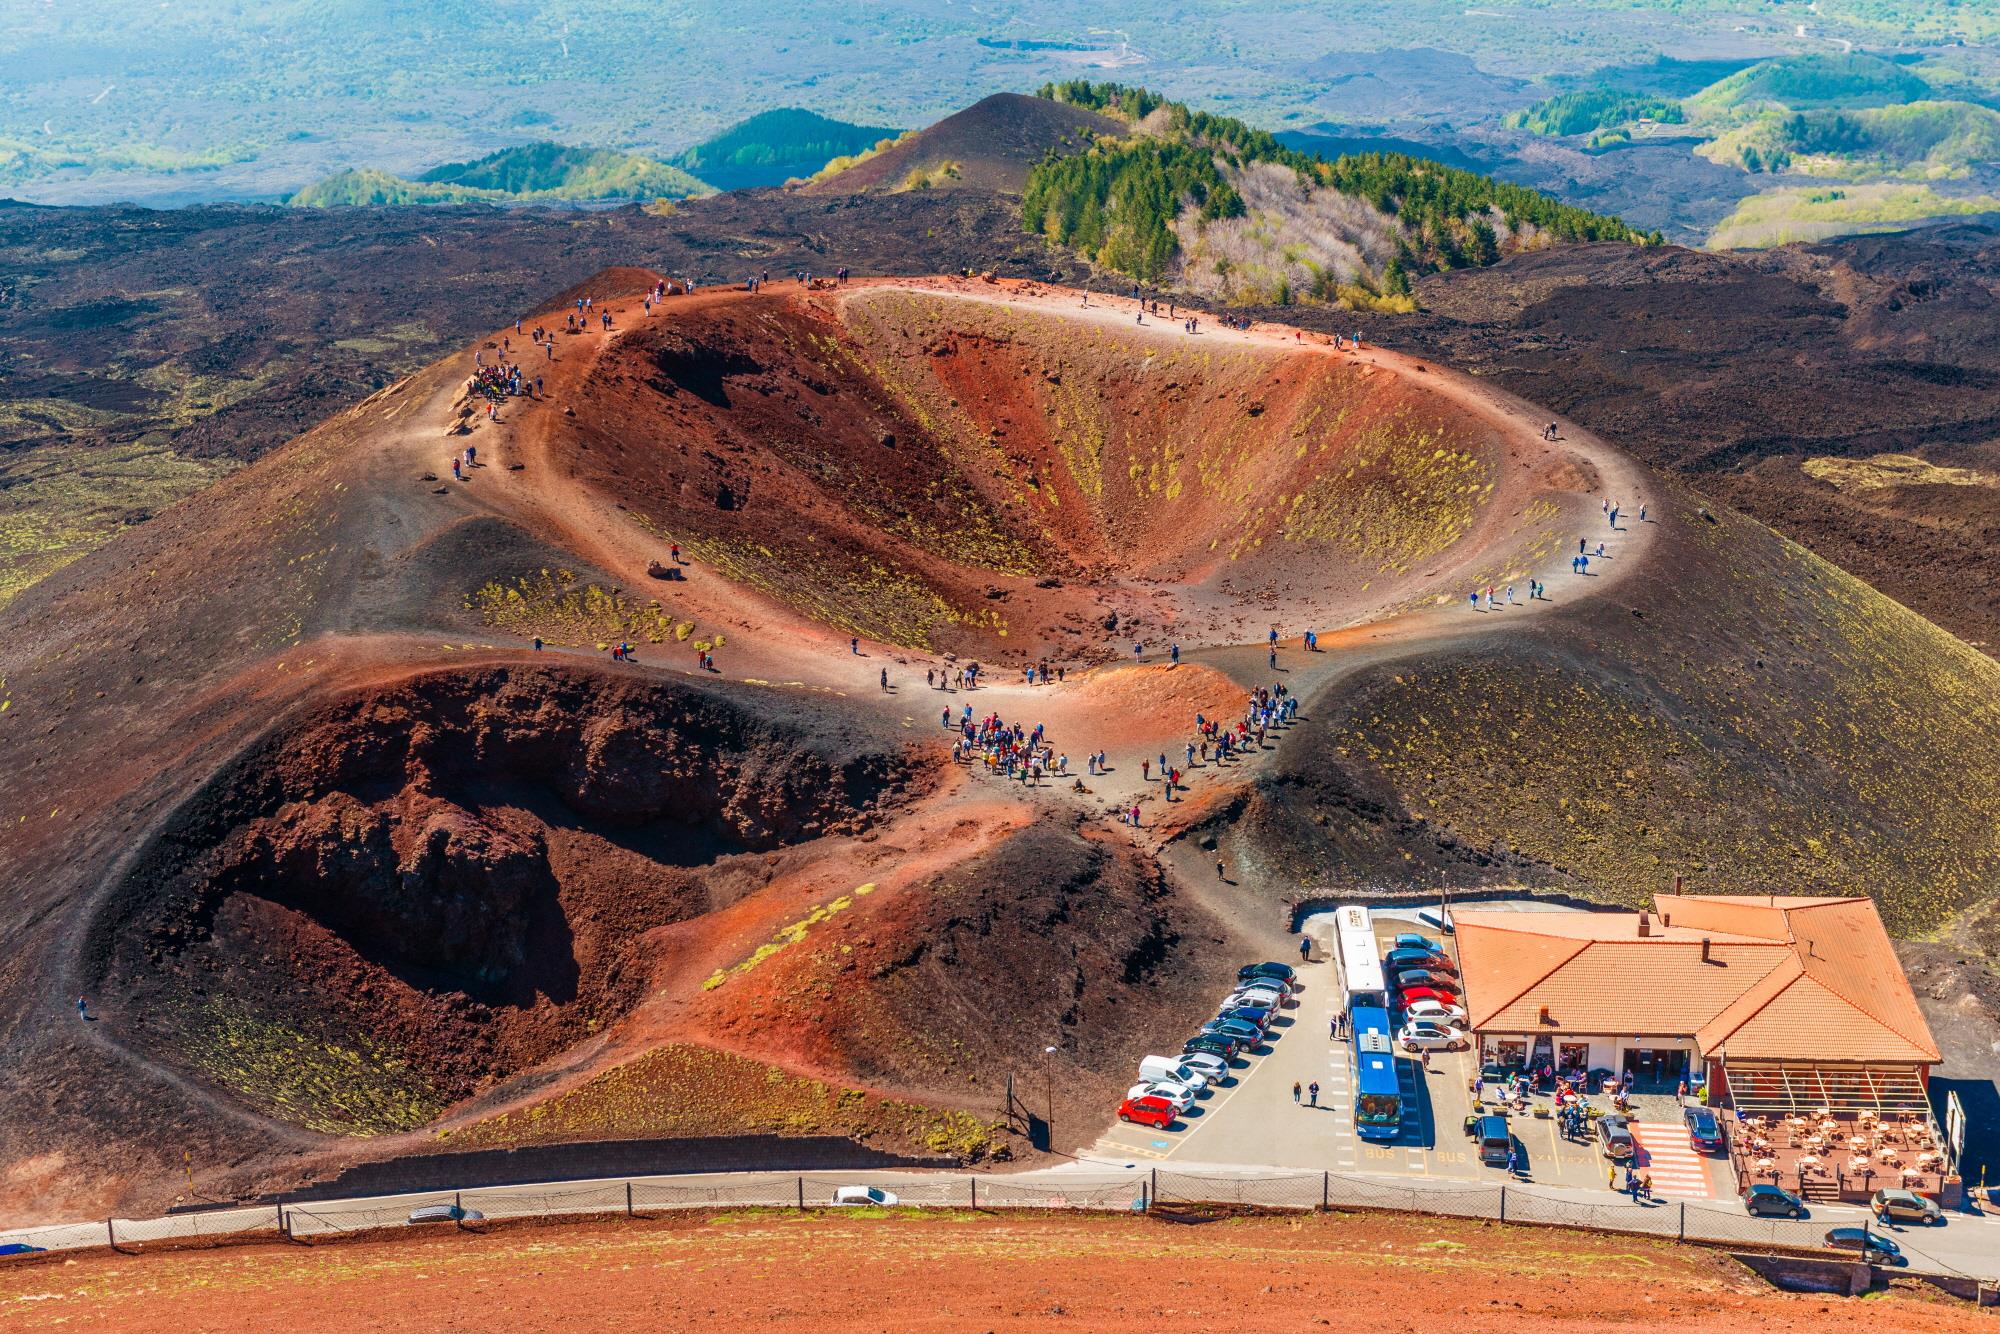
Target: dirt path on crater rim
{"x":1129,"y":708}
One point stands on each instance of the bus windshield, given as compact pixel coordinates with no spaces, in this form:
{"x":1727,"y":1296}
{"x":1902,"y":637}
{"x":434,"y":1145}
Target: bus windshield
{"x":1379,"y":1109}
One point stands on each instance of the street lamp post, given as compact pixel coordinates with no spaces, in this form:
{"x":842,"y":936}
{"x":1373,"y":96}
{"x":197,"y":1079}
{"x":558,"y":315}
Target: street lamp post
{"x":1049,"y":1084}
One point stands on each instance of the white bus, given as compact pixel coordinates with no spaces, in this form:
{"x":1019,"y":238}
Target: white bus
{"x":1360,"y":959}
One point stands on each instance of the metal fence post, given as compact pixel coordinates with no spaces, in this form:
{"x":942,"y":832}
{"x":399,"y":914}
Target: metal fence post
{"x":974,"y":1183}
{"x":111,"y":1234}
{"x":802,"y":1192}
{"x":1326,"y":1190}
{"x":628,"y":1200}
{"x":1153,"y":1187}
{"x":458,"y":1208}
{"x":1503,"y":1201}
{"x":1684,"y":1222}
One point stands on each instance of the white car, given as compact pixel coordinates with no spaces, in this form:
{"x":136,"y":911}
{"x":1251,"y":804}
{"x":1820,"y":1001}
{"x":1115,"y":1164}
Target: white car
{"x":1180,"y":1095}
{"x":1264,"y":998}
{"x":1210,"y":1067}
{"x":1423,"y":1035}
{"x":874,"y":1195}
{"x":1171,"y":1070}
{"x":1435,"y":1012}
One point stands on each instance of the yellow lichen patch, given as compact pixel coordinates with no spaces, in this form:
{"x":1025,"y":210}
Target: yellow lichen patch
{"x":1872,"y":474}
{"x":337,"y":1086}
{"x":789,"y":935}
{"x":552,"y":605}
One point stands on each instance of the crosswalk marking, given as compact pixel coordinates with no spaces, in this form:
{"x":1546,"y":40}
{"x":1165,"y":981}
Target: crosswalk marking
{"x":1668,"y":1155}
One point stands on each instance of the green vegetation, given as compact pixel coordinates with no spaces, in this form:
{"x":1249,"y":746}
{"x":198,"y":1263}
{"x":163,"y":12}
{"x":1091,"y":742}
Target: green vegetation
{"x":1922,"y":139}
{"x":1799,"y":82}
{"x":772,"y":147}
{"x":680,"y":1089}
{"x":554,"y":607}
{"x":328,"y":1083}
{"x":61,"y":501}
{"x":876,"y":149}
{"x":1779,"y":217}
{"x":542,"y":171}
{"x":1119,"y":201}
{"x":1590,"y":109}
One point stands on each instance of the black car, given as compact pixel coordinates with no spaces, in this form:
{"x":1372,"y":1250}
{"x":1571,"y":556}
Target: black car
{"x":1770,"y":1202}
{"x":1704,"y":1131}
{"x":1214,"y":1046}
{"x":1495,"y":1141}
{"x":1872,"y":1247}
{"x":1423,"y":977}
{"x":1281,"y":972}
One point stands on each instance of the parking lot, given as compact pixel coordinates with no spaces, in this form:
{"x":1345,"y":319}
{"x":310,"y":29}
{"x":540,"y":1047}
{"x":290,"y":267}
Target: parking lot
{"x":1252,"y":1120}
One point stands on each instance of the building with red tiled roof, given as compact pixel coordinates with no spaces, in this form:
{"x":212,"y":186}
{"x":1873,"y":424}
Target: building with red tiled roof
{"x":1778,"y":1001}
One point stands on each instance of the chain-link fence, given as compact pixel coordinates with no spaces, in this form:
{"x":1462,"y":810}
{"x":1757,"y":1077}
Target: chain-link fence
{"x":1718,"y":1222}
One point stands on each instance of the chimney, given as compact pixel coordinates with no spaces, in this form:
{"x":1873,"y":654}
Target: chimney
{"x":1704,"y":949}
{"x":1645,"y":922}
{"x":1545,"y":1015}
{"x":1677,"y":886}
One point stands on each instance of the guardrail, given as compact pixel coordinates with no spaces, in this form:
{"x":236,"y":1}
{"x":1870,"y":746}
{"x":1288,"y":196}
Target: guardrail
{"x":1718,"y":1223}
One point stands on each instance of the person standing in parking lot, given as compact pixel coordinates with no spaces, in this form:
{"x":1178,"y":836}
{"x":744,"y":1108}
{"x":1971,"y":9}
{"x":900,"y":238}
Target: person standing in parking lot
{"x":1312,"y":1091}
{"x":1295,"y":1093}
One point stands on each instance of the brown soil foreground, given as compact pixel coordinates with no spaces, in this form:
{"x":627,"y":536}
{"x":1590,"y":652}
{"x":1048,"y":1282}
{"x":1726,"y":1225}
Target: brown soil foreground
{"x":959,"y":1271}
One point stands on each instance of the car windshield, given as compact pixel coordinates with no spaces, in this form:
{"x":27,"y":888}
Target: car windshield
{"x":1378,"y":1109}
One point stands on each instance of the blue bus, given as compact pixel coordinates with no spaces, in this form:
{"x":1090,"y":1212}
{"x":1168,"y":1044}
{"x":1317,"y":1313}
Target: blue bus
{"x":1378,"y":1092}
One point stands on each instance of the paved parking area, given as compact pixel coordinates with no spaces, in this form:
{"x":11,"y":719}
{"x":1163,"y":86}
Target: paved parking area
{"x":1252,"y":1120}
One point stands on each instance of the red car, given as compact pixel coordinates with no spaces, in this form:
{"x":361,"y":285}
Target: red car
{"x":1148,"y":1111}
{"x":1429,"y":993}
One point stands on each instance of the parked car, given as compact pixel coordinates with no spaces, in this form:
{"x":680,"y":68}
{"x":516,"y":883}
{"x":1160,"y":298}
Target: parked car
{"x":1906,"y":1206}
{"x":866,"y":1195}
{"x":1614,"y":1136}
{"x":1425,"y":977}
{"x":1179,"y":1095}
{"x":1770,"y":1202}
{"x":445,"y":1213}
{"x":1873,"y":1247}
{"x":1431,"y":959}
{"x":1423,"y":1035}
{"x":1494,"y":1140}
{"x":1279,"y":972}
{"x":1171,"y":1070}
{"x":1256,"y":1016}
{"x":1442,"y":997}
{"x":1206,"y":1064}
{"x":1245,"y":1036}
{"x":1436,"y":1012}
{"x":1411,"y":940}
{"x":1703,"y":1128}
{"x":1147,"y":1111}
{"x":1222,"y":1048}
{"x":1270,"y":998}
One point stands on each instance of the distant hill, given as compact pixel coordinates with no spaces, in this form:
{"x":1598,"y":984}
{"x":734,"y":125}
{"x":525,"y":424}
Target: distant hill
{"x":1925,"y":139}
{"x":988,"y":146}
{"x":773,"y":147}
{"x":1590,"y":109}
{"x":1800,"y":82}
{"x":530,"y":172}
{"x":1218,"y":207}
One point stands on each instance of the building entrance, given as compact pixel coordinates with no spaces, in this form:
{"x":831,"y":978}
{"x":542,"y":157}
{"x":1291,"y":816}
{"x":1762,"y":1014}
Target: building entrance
{"x":1655,"y":1069}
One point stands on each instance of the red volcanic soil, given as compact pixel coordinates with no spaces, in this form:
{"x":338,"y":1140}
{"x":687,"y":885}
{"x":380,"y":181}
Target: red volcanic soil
{"x":835,"y":1271}
{"x":341,"y":860}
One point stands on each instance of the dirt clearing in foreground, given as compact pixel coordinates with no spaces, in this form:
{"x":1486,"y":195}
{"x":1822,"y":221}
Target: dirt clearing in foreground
{"x":944,"y":1271}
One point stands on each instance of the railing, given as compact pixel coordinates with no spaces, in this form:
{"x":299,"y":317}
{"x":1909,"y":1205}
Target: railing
{"x":1164,"y":1190}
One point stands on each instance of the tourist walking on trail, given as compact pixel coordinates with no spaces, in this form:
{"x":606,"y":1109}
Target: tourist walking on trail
{"x":885,"y":679}
{"x":1305,"y":949}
